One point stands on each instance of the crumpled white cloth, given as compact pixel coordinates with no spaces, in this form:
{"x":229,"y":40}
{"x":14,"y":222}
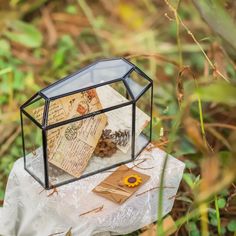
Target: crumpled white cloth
{"x":29,"y":211}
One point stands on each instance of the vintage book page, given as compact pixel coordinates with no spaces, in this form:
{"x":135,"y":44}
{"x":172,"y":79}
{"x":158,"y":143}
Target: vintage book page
{"x":77,"y":143}
{"x":121,"y":119}
{"x":71,"y":146}
{"x":59,"y":110}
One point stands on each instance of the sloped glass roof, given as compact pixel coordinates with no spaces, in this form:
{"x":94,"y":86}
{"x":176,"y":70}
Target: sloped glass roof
{"x":97,"y":73}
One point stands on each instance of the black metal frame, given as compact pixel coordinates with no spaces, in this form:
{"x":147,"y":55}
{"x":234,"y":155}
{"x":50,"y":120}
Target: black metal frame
{"x":44,"y":127}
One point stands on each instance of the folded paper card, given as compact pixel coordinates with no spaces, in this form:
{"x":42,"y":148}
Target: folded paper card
{"x":121,"y":184}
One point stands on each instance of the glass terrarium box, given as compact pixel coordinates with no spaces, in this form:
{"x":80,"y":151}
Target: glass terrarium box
{"x":93,"y":120}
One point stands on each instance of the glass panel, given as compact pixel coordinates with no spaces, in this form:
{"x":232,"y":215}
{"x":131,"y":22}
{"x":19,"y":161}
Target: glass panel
{"x":33,"y":149}
{"x":104,"y":71}
{"x":137,"y":83}
{"x":143,"y":119}
{"x":87,"y":102}
{"x":36,"y":109}
{"x":89,"y":145}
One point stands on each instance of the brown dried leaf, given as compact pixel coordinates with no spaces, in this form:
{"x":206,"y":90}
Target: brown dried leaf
{"x":180,"y":88}
{"x":208,"y":189}
{"x":210,"y":168}
{"x":193,"y":131}
{"x":184,"y":73}
{"x":169,"y":228}
{"x":219,"y":59}
{"x":49,"y":24}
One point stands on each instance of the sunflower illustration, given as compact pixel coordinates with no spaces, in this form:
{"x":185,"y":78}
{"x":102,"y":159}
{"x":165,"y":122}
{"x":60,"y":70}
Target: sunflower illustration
{"x":132,"y":180}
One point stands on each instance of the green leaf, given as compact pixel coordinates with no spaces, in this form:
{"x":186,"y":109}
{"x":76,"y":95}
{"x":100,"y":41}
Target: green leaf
{"x":169,"y":70}
{"x":5,"y":48}
{"x":65,"y":47}
{"x":195,"y":233}
{"x":18,"y":82}
{"x":223,"y":230}
{"x":59,"y":57}
{"x":213,"y":221}
{"x":186,"y":147}
{"x":66,"y":41}
{"x":71,"y":9}
{"x":232,"y":226}
{"x":224,"y":193}
{"x":221,"y":202}
{"x":218,"y":92}
{"x":1,"y":194}
{"x":24,"y":33}
{"x":29,"y":81}
{"x":3,"y":99}
{"x":193,"y":229}
{"x":5,"y":70}
{"x":189,"y":179}
{"x":190,"y":164}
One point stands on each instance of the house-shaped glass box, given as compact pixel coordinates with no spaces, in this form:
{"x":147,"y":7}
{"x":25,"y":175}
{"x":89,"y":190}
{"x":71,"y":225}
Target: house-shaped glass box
{"x":95,"y":119}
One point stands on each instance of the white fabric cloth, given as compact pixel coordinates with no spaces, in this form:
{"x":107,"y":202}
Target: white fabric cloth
{"x":29,"y":211}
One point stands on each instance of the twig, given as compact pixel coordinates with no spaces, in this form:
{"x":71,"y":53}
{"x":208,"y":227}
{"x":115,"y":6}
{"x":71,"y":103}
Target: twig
{"x":56,"y":233}
{"x":221,"y":125}
{"x":53,"y":191}
{"x":42,"y":191}
{"x":195,"y":40}
{"x":95,"y":210}
{"x":136,"y":165}
{"x":151,"y":190}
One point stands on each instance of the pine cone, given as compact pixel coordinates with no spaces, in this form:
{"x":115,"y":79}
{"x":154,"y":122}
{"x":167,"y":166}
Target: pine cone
{"x":108,"y":142}
{"x":121,"y":138}
{"x":105,"y":148}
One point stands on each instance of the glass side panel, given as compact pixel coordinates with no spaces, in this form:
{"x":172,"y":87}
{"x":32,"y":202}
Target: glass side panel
{"x":143,"y":121}
{"x":104,"y":71}
{"x":89,"y":145}
{"x":86,"y":102}
{"x":136,"y":83}
{"x":33,"y":149}
{"x":36,"y":108}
